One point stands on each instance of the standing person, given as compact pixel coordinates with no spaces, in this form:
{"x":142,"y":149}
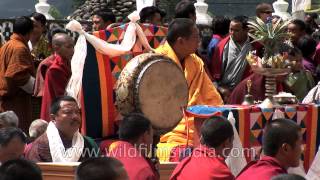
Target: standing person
{"x":228,"y":64}
{"x":17,"y":73}
{"x":58,"y":74}
{"x":152,"y":15}
{"x":220,"y":29}
{"x":38,"y":44}
{"x":102,"y":19}
{"x":264,"y":11}
{"x":186,"y":9}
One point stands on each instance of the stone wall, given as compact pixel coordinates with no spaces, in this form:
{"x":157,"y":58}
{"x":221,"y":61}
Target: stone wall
{"x":121,"y":8}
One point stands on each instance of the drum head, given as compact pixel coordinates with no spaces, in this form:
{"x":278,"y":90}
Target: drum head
{"x":162,"y":91}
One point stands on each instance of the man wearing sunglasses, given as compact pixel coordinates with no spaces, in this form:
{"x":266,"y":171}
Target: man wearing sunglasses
{"x":263,"y":11}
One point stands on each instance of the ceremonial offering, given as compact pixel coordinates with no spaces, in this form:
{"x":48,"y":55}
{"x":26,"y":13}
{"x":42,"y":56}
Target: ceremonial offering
{"x":273,"y":63}
{"x":285,"y":98}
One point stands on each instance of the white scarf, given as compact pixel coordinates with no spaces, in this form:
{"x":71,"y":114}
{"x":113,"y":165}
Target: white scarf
{"x":112,"y":50}
{"x":57,"y":149}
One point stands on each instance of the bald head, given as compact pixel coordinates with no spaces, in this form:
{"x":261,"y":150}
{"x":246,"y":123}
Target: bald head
{"x":62,"y":45}
{"x":60,"y":39}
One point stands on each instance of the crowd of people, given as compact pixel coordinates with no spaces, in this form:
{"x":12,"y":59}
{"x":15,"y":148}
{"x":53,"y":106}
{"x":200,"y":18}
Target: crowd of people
{"x":36,"y":62}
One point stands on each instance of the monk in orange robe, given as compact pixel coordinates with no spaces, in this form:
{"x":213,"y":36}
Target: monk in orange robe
{"x":182,"y":42}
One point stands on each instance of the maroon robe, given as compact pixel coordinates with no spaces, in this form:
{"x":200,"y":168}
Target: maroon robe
{"x":137,"y":166}
{"x":257,"y":89}
{"x":55,"y":83}
{"x":264,"y":169}
{"x":41,"y":74}
{"x":203,"y":164}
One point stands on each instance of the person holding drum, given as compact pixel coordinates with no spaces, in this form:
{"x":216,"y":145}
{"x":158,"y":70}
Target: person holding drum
{"x":182,"y":42}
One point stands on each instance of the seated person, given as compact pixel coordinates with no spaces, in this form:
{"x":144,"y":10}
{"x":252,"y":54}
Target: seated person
{"x":299,"y":82}
{"x":12,"y":143}
{"x":101,"y":168}
{"x":208,"y":160}
{"x":288,"y":177}
{"x":282,"y":140}
{"x":136,"y":135}
{"x":20,"y":169}
{"x":182,"y":43}
{"x":62,"y":141}
{"x":37,"y":128}
{"x":307,"y":46}
{"x":8,"y":119}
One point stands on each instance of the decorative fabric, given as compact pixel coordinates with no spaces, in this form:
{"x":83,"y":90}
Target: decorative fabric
{"x":100,"y":73}
{"x":251,"y":120}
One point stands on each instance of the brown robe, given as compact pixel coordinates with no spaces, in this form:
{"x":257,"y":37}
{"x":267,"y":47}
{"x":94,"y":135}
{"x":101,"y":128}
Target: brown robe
{"x":40,"y":151}
{"x":16,"y":67}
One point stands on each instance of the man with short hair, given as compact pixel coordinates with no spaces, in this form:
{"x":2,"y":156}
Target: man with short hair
{"x":208,"y":160}
{"x":152,"y":15}
{"x":229,"y":65}
{"x":37,"y":128}
{"x":264,"y":11}
{"x":182,"y":43}
{"x":44,"y":65}
{"x":17,"y":73}
{"x":282,"y":140}
{"x":12,"y":143}
{"x":62,"y":141}
{"x":20,"y":169}
{"x":102,"y":19}
{"x":38,"y":43}
{"x":136,"y":138}
{"x":101,"y":168}
{"x":220,"y":29}
{"x":58,"y":74}
{"x":297,"y":29}
{"x":288,"y":177}
{"x":8,"y":119}
{"x":185,"y":9}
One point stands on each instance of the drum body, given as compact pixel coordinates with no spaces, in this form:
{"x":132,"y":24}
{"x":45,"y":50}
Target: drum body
{"x":154,"y":85}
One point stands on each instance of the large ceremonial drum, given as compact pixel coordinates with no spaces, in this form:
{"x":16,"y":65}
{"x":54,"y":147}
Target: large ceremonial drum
{"x":154,"y":85}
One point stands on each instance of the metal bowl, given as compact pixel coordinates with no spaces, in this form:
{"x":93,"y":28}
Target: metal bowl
{"x":285,"y":100}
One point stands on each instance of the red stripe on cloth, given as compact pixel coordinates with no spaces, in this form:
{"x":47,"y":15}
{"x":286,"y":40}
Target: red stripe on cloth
{"x":83,"y":115}
{"x":246,"y":133}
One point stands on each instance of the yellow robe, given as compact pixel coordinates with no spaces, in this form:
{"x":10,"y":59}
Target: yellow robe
{"x":201,"y":92}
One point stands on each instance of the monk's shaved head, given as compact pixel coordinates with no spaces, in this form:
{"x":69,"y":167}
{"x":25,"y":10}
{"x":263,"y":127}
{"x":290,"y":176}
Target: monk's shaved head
{"x":60,"y":39}
{"x":62,"y":44}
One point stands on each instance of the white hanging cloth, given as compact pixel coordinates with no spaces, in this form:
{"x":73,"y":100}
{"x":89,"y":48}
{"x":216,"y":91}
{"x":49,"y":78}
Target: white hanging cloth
{"x":80,"y":51}
{"x":238,"y":162}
